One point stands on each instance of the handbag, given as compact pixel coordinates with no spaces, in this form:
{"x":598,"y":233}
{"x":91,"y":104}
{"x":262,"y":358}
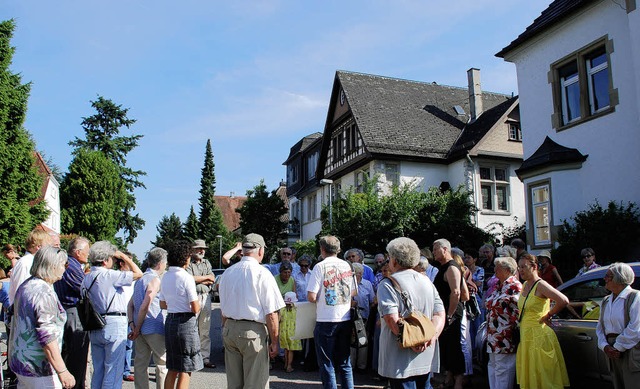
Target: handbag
{"x":90,"y":319}
{"x":515,"y":337}
{"x":415,"y":329}
{"x":359,"y":334}
{"x":472,"y":308}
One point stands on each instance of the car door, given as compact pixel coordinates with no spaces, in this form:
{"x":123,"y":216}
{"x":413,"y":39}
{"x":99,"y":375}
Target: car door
{"x":575,"y":327}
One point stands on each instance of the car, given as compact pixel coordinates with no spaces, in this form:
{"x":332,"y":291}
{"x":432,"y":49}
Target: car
{"x":575,"y":326}
{"x":215,"y":297}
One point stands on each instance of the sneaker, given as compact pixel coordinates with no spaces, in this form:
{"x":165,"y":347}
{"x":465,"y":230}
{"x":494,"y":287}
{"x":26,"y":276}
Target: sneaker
{"x":128,"y":378}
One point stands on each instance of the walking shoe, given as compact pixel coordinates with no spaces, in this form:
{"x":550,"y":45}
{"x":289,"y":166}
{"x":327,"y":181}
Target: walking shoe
{"x":128,"y":378}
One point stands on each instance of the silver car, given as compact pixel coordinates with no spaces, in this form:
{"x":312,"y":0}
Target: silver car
{"x":575,"y":326}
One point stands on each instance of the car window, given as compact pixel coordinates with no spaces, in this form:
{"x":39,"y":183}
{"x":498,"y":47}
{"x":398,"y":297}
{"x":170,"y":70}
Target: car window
{"x":586,"y":291}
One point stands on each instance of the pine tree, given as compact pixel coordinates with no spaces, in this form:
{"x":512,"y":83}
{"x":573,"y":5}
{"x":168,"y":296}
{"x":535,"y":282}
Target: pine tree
{"x":169,"y":230}
{"x":102,"y":134}
{"x":191,"y":227}
{"x":211,"y":222}
{"x":92,"y":196}
{"x":19,"y":179}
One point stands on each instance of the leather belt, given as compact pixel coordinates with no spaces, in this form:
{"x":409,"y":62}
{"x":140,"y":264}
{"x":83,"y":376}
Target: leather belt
{"x":115,"y":314}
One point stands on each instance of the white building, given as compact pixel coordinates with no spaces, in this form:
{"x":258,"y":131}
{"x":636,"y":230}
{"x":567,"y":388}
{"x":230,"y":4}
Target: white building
{"x":410,"y":132}
{"x":578,"y":67}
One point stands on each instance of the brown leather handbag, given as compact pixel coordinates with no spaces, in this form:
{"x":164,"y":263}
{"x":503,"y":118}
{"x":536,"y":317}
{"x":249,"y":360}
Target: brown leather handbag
{"x":416,"y":328}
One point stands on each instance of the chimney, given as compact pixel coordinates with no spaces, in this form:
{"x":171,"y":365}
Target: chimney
{"x":475,"y":93}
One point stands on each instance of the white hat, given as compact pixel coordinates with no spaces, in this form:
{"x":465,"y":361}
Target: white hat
{"x":290,"y":298}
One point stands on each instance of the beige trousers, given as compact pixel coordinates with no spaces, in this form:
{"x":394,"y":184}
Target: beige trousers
{"x":147,"y":346}
{"x":246,"y":355}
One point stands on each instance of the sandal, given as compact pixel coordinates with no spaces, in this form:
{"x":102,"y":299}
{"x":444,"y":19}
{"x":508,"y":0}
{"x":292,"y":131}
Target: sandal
{"x":289,"y":369}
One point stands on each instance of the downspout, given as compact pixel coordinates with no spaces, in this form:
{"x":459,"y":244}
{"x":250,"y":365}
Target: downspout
{"x":473,"y":183}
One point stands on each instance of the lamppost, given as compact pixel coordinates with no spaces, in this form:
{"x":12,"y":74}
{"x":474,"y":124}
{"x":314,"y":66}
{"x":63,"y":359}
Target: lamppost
{"x":323,"y":182}
{"x":220,"y":257}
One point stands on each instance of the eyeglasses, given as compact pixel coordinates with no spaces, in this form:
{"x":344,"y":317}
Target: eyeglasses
{"x":352,"y":256}
{"x":286,"y":253}
{"x":304,"y":265}
{"x":587,"y":256}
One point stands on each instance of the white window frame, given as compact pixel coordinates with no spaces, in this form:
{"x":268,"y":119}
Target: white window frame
{"x":535,"y":205}
{"x":361,"y":175}
{"x":312,"y":165}
{"x":392,"y":173}
{"x":603,"y":67}
{"x":515,"y":132}
{"x":493,"y":185}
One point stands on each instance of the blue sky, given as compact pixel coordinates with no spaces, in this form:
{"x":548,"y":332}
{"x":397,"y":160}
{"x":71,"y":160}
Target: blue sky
{"x":252,"y":76}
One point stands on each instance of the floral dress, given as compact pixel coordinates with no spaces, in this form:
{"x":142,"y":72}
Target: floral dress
{"x":288,"y":328}
{"x":38,"y":320}
{"x":502,"y":316}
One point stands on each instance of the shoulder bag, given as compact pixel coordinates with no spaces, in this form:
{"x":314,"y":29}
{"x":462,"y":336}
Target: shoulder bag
{"x":359,"y":334}
{"x":415,"y":329}
{"x":515,"y":338}
{"x":90,"y":319}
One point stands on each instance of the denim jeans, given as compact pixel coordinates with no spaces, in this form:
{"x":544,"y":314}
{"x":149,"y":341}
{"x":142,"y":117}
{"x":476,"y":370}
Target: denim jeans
{"x":333,"y":345}
{"x":108,"y":347}
{"x":415,"y":382}
{"x":127,"y":358}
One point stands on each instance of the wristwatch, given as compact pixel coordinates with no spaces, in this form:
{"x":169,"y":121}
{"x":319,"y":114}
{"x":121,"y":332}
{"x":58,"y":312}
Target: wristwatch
{"x":449,"y":319}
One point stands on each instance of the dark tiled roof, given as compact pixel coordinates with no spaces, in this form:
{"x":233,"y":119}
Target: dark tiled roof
{"x":548,"y":154}
{"x":475,"y":131}
{"x":302,"y":144}
{"x":408,"y":118}
{"x":555,"y":13}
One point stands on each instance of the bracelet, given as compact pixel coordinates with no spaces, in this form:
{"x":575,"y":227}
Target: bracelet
{"x":62,"y":371}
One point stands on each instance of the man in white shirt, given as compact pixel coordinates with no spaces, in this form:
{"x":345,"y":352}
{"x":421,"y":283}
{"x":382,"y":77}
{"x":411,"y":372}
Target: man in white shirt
{"x":332,"y":286}
{"x":249,"y":301}
{"x":36,"y":239}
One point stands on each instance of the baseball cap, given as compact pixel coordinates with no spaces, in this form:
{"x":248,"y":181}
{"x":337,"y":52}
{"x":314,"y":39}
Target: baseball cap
{"x":251,"y":241}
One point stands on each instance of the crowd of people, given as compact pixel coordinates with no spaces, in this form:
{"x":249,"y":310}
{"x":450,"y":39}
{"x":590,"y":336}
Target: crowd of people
{"x":164,"y":313}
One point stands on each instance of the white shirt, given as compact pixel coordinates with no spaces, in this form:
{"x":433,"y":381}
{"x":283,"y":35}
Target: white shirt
{"x":248,"y":291}
{"x":21,"y":271}
{"x":178,"y":290}
{"x":333,"y":281}
{"x":613,"y":320}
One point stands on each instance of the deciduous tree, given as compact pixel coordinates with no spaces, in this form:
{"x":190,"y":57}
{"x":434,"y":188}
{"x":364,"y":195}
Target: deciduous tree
{"x":20,"y":209}
{"x":262,"y":213}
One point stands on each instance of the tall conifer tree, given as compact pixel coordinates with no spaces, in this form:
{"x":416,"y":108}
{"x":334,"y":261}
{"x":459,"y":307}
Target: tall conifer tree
{"x":211,"y":222}
{"x":191,"y":227}
{"x":19,"y":179}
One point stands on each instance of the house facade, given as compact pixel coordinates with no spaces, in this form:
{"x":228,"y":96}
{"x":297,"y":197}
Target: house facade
{"x":411,"y":133}
{"x":578,"y":68}
{"x":50,"y":193}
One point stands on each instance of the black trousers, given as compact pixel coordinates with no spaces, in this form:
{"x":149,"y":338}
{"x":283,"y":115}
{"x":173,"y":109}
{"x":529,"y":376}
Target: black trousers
{"x":75,"y":347}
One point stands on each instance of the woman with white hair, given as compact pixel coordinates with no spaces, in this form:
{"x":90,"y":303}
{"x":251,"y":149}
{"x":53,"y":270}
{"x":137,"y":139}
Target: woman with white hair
{"x":618,"y":328}
{"x":407,"y":367}
{"x":38,"y":323}
{"x":105,"y":289}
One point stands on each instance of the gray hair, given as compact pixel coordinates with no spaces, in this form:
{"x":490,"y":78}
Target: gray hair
{"x":101,"y":251}
{"x":305,"y":258}
{"x":507,"y":263}
{"x":249,"y":250}
{"x":405,"y":251}
{"x":330,"y":244}
{"x":487,"y":246}
{"x":78,"y":243}
{"x":443,"y":243}
{"x":155,"y":257}
{"x":423,"y":262}
{"x":622,"y":273}
{"x":358,"y":252}
{"x":358,"y":268}
{"x":45,"y":262}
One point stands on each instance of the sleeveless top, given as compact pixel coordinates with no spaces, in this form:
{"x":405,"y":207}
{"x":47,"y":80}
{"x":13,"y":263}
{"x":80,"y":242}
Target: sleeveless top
{"x":444,"y":290}
{"x":154,"y":321}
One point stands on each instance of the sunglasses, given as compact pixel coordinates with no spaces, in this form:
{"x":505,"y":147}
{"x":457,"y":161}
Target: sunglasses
{"x":304,"y":265}
{"x":587,"y":256}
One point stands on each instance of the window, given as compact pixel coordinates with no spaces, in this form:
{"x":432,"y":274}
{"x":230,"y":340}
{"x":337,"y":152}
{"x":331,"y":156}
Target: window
{"x":494,"y":188}
{"x":312,"y":164}
{"x":582,"y":85}
{"x":312,"y":207}
{"x":392,"y":173}
{"x":292,"y":174}
{"x":361,"y":177}
{"x":337,"y":146}
{"x":515,"y":133}
{"x":541,"y":214}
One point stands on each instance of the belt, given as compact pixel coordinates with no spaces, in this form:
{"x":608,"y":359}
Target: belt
{"x":247,"y":320}
{"x":181,"y":314}
{"x":115,"y":314}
